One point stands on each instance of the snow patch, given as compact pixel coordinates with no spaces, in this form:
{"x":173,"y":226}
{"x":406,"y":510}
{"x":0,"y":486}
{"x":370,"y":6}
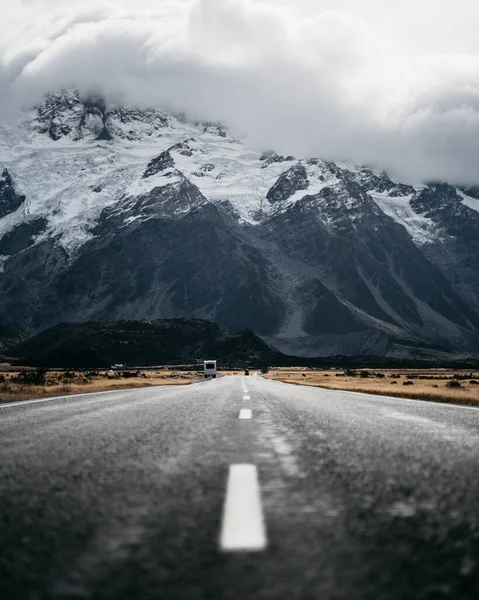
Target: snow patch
{"x":420,"y":228}
{"x":472,"y":203}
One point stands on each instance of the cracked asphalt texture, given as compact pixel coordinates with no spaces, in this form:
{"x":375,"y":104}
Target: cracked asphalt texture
{"x":120,"y":495}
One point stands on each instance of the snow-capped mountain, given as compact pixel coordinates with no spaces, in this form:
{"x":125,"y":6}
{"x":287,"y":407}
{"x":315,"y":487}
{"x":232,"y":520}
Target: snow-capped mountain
{"x":108,"y":212}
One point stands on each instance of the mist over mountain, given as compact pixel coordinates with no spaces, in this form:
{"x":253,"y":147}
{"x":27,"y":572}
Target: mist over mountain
{"x":110,"y":212}
{"x":391,"y":86}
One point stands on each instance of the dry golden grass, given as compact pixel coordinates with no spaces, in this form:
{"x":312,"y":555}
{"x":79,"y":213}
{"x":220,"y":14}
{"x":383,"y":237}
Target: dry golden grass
{"x":433,"y":388}
{"x":63,"y":384}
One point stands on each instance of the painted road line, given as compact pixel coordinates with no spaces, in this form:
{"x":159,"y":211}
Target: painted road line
{"x":246,"y":398}
{"x":243,"y":524}
{"x":245,"y":413}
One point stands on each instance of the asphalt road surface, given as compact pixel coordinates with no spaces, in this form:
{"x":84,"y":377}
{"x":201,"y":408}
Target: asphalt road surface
{"x":167,"y":494}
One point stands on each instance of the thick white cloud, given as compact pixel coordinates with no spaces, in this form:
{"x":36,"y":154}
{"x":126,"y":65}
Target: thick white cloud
{"x":394,"y":84}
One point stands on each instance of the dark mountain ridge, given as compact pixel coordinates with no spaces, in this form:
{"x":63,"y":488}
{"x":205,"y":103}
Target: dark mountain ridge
{"x":143,"y":343}
{"x":182,"y":341}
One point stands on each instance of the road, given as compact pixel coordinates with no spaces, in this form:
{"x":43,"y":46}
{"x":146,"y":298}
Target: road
{"x":166,"y":494}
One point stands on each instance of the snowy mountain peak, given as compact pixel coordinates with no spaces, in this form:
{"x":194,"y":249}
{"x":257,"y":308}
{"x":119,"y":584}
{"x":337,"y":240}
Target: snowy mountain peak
{"x":66,"y":114}
{"x":128,"y":203}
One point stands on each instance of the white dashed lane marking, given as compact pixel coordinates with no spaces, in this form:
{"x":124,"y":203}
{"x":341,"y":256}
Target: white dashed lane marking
{"x":246,"y":398}
{"x":243,"y":524}
{"x":245,"y":413}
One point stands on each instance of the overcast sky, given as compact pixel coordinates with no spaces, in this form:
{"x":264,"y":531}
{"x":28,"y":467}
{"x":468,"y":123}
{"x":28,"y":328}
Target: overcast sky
{"x":393,"y":83}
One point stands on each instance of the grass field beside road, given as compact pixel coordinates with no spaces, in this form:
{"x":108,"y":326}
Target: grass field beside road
{"x":438,"y":385}
{"x":32,"y":384}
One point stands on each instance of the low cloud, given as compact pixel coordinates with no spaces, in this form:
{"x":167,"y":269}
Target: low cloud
{"x":310,"y":78}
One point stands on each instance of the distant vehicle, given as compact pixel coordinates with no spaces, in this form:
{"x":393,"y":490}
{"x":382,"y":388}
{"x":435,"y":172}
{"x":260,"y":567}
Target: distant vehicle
{"x":246,"y":371}
{"x":117,"y":366}
{"x":265,"y":370}
{"x":209,"y":367}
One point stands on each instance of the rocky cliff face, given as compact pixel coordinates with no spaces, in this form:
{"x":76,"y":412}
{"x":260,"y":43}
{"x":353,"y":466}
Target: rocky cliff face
{"x":108,"y":212}
{"x":10,"y":201}
{"x":455,"y":248}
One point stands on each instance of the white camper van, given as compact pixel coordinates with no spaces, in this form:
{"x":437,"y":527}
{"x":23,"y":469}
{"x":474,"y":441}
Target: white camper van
{"x":209,"y":367}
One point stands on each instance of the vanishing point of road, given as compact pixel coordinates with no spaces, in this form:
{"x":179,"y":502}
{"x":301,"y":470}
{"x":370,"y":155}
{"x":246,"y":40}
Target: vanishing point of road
{"x":238,"y":488}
